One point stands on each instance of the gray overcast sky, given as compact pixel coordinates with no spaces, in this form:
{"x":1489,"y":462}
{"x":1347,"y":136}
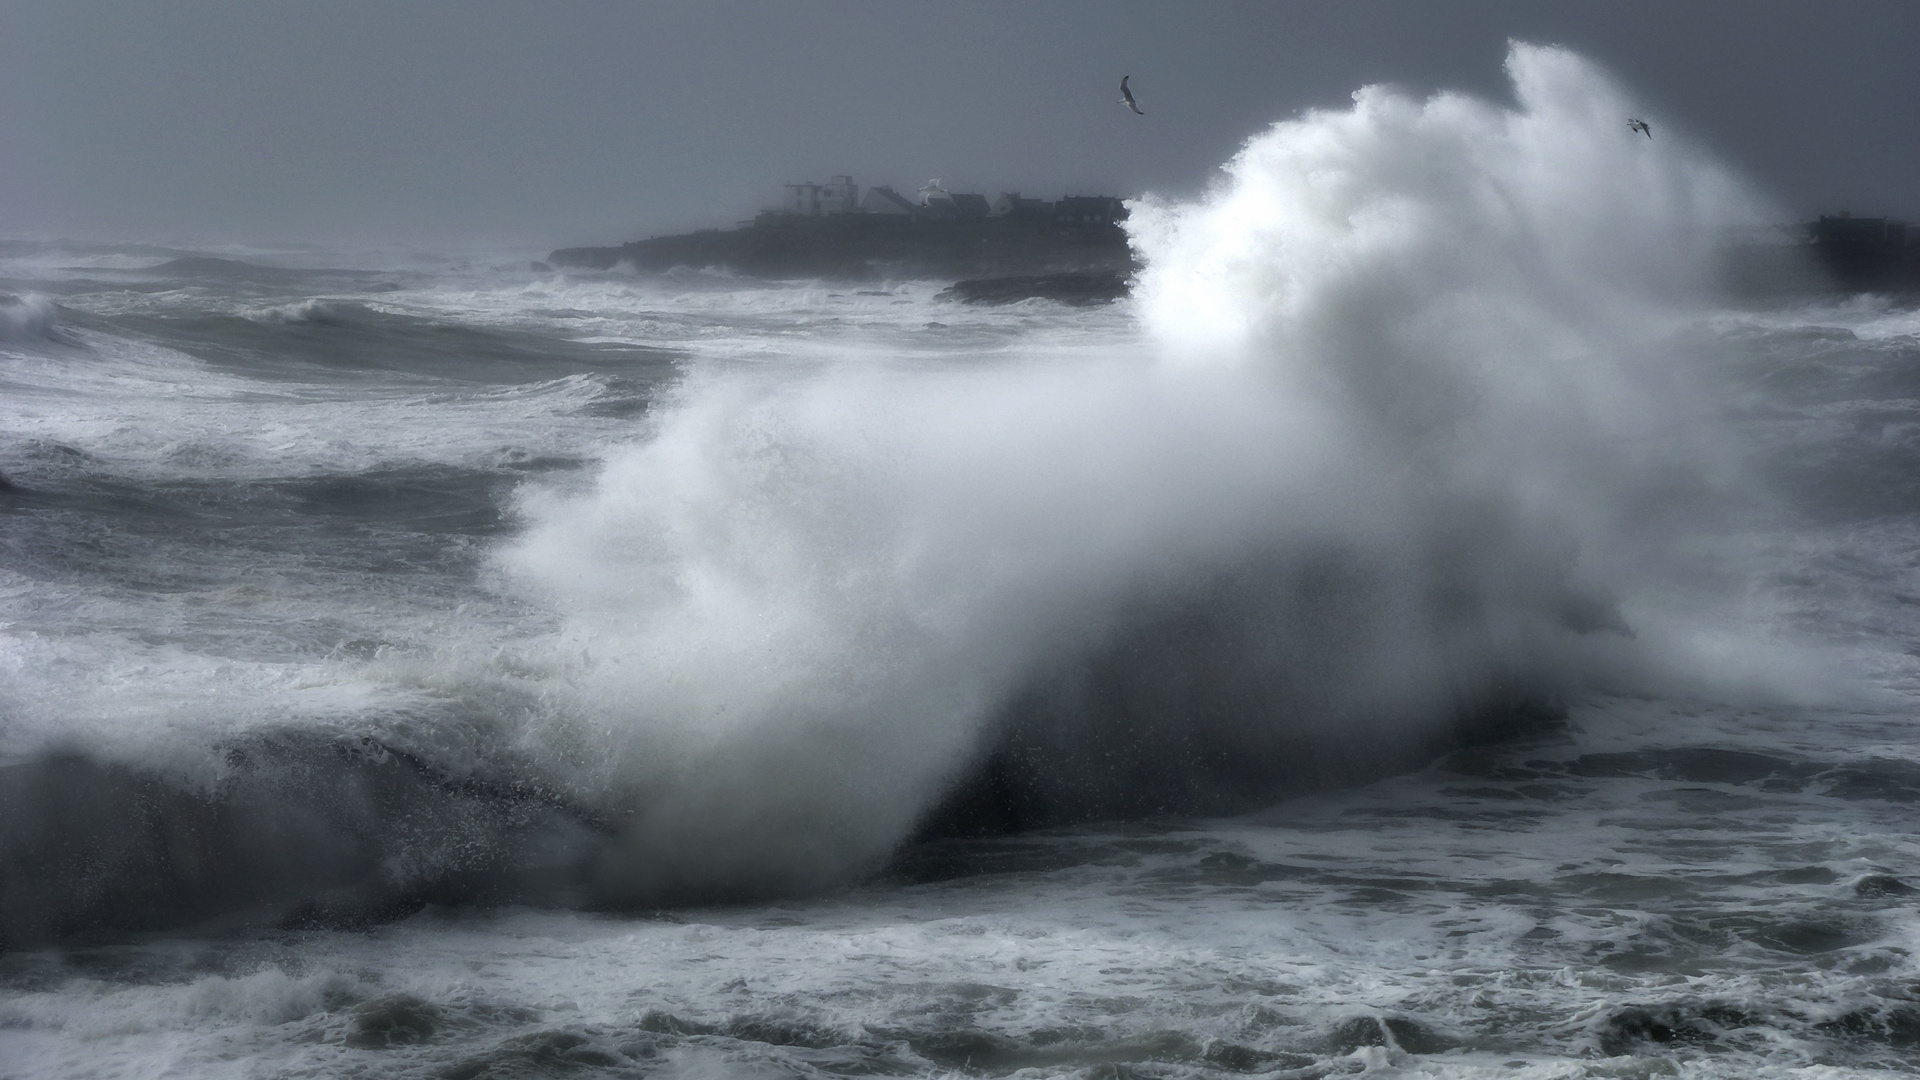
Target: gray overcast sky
{"x":581,"y":121}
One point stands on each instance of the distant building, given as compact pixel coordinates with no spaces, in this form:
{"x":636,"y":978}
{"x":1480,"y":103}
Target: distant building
{"x":939,"y":203}
{"x":1010,"y":204}
{"x":970,"y":206}
{"x":839,"y":195}
{"x":1089,"y":210}
{"x":885,"y":200}
{"x":936,"y":202}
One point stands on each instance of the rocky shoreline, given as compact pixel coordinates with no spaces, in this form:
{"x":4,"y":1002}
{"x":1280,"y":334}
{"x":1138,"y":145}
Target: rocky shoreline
{"x":1080,"y":288}
{"x":1007,"y":259}
{"x":874,"y":247}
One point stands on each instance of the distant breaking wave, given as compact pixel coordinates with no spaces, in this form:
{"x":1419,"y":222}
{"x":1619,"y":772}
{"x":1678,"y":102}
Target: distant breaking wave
{"x":318,"y":312}
{"x":29,"y":318}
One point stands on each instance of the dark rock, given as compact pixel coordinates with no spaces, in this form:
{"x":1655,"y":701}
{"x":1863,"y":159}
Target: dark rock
{"x":1355,"y":1032}
{"x":1897,"y":1027}
{"x":1396,"y":1032}
{"x":864,"y":247}
{"x":392,"y":1020}
{"x":1627,"y":1030}
{"x":1878,"y":885}
{"x":586,"y":258}
{"x":543,"y":1053}
{"x":1416,"y":1039}
{"x":1688,"y":1024}
{"x":1091,"y":287}
{"x":539,"y":267}
{"x":1245,"y":1059}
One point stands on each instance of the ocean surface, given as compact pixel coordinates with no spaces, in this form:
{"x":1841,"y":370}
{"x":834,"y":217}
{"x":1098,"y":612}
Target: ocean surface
{"x":1430,"y":630}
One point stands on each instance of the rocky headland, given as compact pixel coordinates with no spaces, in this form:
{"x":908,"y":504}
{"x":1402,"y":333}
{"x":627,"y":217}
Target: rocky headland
{"x":996,"y":260}
{"x":871,"y":247}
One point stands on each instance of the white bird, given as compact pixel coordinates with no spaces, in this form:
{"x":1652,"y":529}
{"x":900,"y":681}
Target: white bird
{"x":1640,"y":126}
{"x":1126,"y":96}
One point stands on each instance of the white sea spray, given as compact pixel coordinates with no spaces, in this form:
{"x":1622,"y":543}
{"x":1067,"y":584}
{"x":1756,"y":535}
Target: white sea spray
{"x":1411,"y":357}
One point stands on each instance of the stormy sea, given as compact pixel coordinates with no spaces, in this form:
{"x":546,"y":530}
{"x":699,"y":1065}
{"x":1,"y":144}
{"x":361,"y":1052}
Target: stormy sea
{"x":1432,"y":628}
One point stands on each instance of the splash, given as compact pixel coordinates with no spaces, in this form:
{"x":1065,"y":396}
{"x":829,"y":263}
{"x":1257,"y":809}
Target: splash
{"x":1389,"y":470}
{"x":30,"y":318}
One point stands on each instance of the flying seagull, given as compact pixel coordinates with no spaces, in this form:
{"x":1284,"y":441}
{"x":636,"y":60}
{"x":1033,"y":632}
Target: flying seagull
{"x":1640,"y":126}
{"x":1126,"y":96}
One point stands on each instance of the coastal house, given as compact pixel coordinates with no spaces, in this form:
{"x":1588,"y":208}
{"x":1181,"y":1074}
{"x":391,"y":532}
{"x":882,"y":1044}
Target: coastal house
{"x":885,"y":200}
{"x":1089,"y":210}
{"x":939,"y":203}
{"x":839,"y":195}
{"x":970,"y":206}
{"x":1010,"y":204}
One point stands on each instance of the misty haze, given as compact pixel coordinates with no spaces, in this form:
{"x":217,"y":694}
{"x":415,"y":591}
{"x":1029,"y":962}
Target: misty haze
{"x":857,"y":539}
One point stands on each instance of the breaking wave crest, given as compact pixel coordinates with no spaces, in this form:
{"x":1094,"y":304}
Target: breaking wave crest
{"x":1399,"y":450}
{"x":317,"y":312}
{"x":30,"y":318}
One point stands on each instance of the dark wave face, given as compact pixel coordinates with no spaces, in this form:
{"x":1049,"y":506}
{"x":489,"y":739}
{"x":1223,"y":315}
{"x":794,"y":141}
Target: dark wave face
{"x":218,"y":484}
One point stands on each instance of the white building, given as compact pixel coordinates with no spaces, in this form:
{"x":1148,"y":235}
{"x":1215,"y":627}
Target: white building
{"x":839,"y":195}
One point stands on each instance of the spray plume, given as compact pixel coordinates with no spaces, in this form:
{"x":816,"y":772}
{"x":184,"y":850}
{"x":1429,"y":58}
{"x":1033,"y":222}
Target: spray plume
{"x":1374,"y":481}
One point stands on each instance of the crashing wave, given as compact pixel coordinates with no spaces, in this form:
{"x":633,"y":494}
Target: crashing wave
{"x":1400,"y":452}
{"x":31,"y":318}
